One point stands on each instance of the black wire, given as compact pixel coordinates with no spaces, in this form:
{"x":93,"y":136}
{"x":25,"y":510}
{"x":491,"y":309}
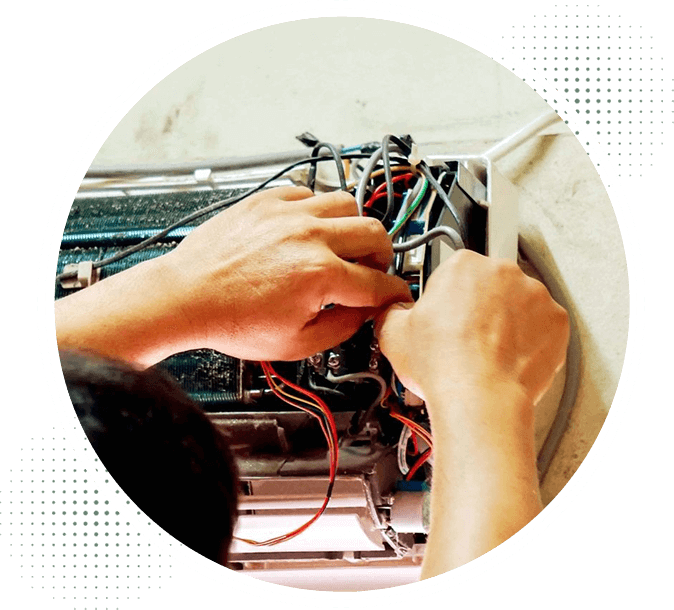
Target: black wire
{"x":388,"y":174}
{"x":202,"y":212}
{"x":443,"y":195}
{"x":406,"y":151}
{"x":311,"y":181}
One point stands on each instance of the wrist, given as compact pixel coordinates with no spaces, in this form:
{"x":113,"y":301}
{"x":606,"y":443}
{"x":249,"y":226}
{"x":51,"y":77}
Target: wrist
{"x":131,"y":316}
{"x":487,"y":425}
{"x":480,"y":399}
{"x":485,"y":481}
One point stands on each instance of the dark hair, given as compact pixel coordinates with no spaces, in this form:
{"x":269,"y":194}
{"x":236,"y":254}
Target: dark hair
{"x":160,"y":447}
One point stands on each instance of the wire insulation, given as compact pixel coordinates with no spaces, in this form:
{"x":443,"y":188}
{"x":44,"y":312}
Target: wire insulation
{"x":415,"y":204}
{"x":317,"y":408}
{"x":311,"y":181}
{"x":430,"y":235}
{"x":214,"y":207}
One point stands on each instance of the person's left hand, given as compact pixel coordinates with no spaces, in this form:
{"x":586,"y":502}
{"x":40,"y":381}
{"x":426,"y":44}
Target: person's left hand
{"x":256,"y":278}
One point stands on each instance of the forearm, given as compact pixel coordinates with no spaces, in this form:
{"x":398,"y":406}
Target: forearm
{"x":485,"y":484}
{"x":128,"y":316}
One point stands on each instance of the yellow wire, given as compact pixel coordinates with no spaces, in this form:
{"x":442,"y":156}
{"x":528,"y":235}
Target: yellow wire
{"x":291,"y":398}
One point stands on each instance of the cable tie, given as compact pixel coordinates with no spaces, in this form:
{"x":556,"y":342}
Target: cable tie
{"x":414,"y":157}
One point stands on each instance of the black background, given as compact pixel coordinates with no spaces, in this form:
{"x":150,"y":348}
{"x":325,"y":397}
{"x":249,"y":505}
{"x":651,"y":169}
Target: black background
{"x":49,"y":547}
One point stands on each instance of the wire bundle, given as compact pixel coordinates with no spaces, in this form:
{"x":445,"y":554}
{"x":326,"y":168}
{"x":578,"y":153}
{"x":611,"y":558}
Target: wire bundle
{"x":382,"y":154}
{"x":214,"y":207}
{"x":417,"y":430}
{"x":310,"y":403}
{"x":420,"y":431}
{"x":425,"y":184}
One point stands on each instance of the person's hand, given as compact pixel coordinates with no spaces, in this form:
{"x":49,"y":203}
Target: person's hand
{"x":480,"y":346}
{"x":255,"y":280}
{"x":480,"y":322}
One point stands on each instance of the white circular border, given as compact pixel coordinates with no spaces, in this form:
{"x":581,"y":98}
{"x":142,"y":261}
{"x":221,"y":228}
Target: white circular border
{"x":639,"y":320}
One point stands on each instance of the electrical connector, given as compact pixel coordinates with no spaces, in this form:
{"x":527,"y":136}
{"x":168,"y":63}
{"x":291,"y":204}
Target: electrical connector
{"x":83,"y":274}
{"x":308,"y":139}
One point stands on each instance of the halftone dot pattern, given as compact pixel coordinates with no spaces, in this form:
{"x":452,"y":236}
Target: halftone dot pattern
{"x":611,"y":69}
{"x":65,"y":536}
{"x":63,"y":540}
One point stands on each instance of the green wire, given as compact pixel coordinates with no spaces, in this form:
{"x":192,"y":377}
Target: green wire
{"x":412,"y":208}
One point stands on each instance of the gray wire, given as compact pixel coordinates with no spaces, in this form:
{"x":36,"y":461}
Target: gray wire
{"x":385,"y":146}
{"x":358,"y":378}
{"x":365,"y":178}
{"x":573,"y":362}
{"x":311,"y":181}
{"x":441,"y":192}
{"x":430,"y":235}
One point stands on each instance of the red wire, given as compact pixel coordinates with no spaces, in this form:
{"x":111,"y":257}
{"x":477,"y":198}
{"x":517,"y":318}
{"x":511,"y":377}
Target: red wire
{"x":415,"y":444}
{"x":321,"y":403}
{"x":419,"y":463}
{"x":380,"y":191}
{"x":269,"y":372}
{"x":422,"y":432}
{"x":331,"y":436}
{"x":419,"y":430}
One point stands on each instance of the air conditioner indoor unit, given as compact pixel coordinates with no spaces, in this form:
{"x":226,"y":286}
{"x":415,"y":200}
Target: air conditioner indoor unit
{"x":377,"y":513}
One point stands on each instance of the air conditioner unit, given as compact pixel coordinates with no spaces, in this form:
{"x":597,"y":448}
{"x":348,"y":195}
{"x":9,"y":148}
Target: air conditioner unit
{"x":377,"y":515}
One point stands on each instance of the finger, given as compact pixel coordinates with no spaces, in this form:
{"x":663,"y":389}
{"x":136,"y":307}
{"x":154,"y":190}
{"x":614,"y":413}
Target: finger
{"x":332,"y":205}
{"x":288,"y":193}
{"x":356,"y":285}
{"x":359,"y":238}
{"x":332,"y":327}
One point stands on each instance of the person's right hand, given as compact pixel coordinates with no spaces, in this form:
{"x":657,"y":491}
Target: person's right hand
{"x":480,"y":322}
{"x":255,"y":280}
{"x":252,"y":282}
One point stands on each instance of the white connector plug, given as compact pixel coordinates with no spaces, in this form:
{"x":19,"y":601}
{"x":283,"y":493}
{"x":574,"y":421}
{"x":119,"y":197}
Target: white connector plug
{"x":86,"y":275}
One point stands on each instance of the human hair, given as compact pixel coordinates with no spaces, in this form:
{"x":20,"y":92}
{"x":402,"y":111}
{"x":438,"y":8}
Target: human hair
{"x":160,"y":447}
